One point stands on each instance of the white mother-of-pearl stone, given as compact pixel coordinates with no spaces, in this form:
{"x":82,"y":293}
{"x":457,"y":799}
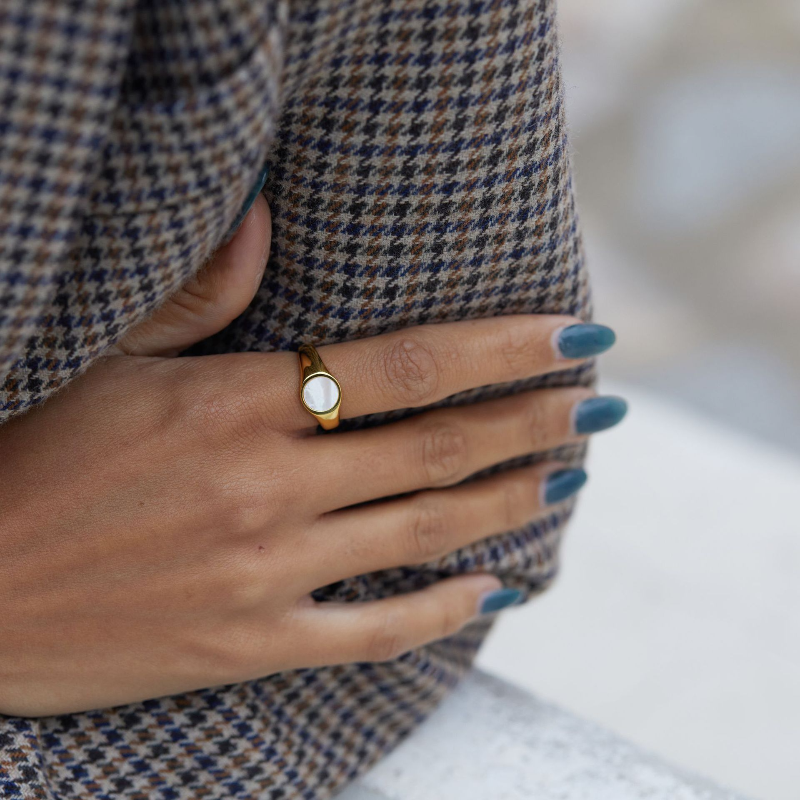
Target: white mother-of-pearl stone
{"x":320,"y":394}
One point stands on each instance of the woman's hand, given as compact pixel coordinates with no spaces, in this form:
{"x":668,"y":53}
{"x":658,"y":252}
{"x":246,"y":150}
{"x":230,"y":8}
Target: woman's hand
{"x":164,"y":520}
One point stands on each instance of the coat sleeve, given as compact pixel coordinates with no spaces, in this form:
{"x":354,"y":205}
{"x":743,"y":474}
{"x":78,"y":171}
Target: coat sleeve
{"x":130,"y":134}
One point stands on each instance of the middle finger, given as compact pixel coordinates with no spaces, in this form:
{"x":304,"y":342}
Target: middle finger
{"x":446,"y":445}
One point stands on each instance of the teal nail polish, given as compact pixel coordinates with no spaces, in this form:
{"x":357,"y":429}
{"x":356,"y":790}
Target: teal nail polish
{"x":583,"y":341}
{"x":496,"y":601}
{"x":598,"y":413}
{"x":248,"y":202}
{"x":563,"y":484}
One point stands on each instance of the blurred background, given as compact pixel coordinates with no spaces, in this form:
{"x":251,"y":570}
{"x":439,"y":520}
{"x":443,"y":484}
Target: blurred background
{"x":676,"y":620}
{"x":685,"y":118}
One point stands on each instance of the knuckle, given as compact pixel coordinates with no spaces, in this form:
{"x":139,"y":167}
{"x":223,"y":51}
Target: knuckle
{"x":232,"y":502}
{"x":428,"y":533}
{"x":516,"y":351}
{"x":209,"y":414}
{"x":196,"y":297}
{"x":450,"y":621}
{"x":443,"y":453}
{"x":536,"y":423}
{"x":411,"y":370}
{"x":386,"y":641}
{"x":221,"y":407}
{"x":238,"y":584}
{"x":249,"y":591}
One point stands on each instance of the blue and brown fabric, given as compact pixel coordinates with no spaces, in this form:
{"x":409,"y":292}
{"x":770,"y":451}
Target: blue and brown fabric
{"x":418,"y":172}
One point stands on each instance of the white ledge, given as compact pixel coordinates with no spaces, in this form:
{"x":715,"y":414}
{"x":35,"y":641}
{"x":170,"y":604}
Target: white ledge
{"x":492,"y":741}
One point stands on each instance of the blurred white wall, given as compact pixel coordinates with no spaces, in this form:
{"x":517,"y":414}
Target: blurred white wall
{"x":685,"y":119}
{"x":677,"y":618}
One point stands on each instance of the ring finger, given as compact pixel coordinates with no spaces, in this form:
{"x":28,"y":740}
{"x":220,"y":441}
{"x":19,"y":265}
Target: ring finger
{"x":428,"y":525}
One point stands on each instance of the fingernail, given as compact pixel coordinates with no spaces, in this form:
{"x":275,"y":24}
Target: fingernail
{"x":598,"y":413}
{"x":563,"y":484}
{"x":584,"y":341}
{"x":248,"y":201}
{"x":499,"y":599}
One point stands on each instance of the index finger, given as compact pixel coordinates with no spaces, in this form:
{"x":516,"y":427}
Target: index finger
{"x":419,"y":366}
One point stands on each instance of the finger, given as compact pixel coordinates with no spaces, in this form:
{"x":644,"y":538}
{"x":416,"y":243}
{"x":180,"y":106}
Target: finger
{"x":213,"y":297}
{"x":418,"y":366}
{"x":442,"y":447}
{"x":381,"y":630}
{"x":429,"y":525}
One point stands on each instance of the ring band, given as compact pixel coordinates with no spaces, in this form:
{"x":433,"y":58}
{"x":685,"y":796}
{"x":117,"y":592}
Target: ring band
{"x":320,"y":392}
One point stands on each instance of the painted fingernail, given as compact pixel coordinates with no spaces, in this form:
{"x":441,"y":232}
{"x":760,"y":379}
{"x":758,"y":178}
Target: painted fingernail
{"x":563,"y":484}
{"x":248,"y":201}
{"x":598,"y":413}
{"x":584,"y":341}
{"x":498,"y":600}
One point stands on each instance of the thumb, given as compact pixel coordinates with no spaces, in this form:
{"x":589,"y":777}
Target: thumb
{"x":215,"y":296}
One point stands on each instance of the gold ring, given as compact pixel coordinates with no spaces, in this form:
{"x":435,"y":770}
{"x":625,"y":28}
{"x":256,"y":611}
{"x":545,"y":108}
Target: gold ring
{"x":320,"y":392}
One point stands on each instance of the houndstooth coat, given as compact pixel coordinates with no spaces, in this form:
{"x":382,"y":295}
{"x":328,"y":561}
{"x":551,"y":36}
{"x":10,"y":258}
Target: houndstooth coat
{"x":419,"y":172}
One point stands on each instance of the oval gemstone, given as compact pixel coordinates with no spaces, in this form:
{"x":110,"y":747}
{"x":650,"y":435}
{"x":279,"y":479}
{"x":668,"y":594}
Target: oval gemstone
{"x":320,"y":394}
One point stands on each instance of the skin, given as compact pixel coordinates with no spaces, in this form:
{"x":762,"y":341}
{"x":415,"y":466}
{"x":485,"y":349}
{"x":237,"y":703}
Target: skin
{"x":165,"y":520}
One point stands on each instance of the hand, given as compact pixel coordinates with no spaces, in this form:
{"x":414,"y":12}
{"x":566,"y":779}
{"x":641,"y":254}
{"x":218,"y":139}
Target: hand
{"x":164,"y":520}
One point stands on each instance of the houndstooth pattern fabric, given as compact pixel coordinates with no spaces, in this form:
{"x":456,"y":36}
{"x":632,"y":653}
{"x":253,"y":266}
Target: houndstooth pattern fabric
{"x":419,"y":172}
{"x":130,"y":134}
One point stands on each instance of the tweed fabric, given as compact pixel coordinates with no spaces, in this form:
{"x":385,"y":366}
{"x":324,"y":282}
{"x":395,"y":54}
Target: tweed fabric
{"x":122,"y":161}
{"x":418,"y":172}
